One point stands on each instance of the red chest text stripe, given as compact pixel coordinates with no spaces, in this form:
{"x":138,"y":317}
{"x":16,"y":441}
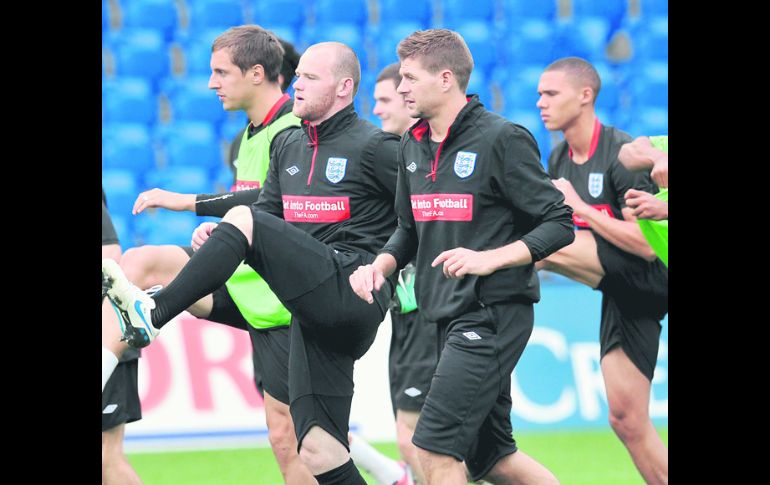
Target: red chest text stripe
{"x":605,"y":208}
{"x":244,"y":185}
{"x":300,"y":208}
{"x":442,"y":207}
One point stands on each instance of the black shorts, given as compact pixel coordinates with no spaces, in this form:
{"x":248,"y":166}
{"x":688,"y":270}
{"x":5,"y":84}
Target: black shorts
{"x":120,"y":398}
{"x":413,"y":358}
{"x":467,"y":413}
{"x":109,"y":236}
{"x":634,"y":301}
{"x":331,"y":327}
{"x":270,"y":356}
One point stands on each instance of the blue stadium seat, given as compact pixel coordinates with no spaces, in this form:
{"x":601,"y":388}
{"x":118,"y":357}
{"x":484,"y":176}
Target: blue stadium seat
{"x":279,"y":13}
{"x":141,"y":53}
{"x":185,"y":179}
{"x":130,"y":100}
{"x":161,"y":227}
{"x":121,"y":188}
{"x":159,"y":15}
{"x":516,"y":10}
{"x":197,"y":58}
{"x":648,"y":121}
{"x":287,"y":33}
{"x":233,"y":124}
{"x":478,"y":84}
{"x":194,"y":101}
{"x":653,"y":8}
{"x":191,"y":143}
{"x":127,"y":146}
{"x":650,"y":39}
{"x":530,"y":41}
{"x":348,"y":34}
{"x":458,"y":11}
{"x":611,"y":10}
{"x":387,"y":40}
{"x":223,"y":180}
{"x":221,"y":14}
{"x":482,"y":44}
{"x":331,"y":12}
{"x":649,"y":85}
{"x":520,"y":91}
{"x":413,"y":11}
{"x":123,"y":228}
{"x":585,"y":37}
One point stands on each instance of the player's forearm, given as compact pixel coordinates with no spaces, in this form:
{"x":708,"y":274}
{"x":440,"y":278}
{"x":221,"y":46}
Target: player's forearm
{"x":217,"y":205}
{"x":624,"y":234}
{"x":385,"y":263}
{"x":514,"y":254}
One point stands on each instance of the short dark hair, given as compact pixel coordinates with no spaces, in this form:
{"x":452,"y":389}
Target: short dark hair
{"x":580,"y":70}
{"x":251,"y":45}
{"x":390,"y":72}
{"x":439,"y":49}
{"x":290,"y":63}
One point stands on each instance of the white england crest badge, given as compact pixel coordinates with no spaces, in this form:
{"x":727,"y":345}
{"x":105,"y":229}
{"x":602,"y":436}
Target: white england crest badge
{"x":595,"y":184}
{"x":335,"y":169}
{"x":465,"y":162}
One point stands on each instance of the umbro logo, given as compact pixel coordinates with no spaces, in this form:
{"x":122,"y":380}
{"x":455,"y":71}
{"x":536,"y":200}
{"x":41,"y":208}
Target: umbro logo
{"x":412,"y":392}
{"x":412,"y":167}
{"x":109,"y":409}
{"x":471,"y":335}
{"x":293,"y":170}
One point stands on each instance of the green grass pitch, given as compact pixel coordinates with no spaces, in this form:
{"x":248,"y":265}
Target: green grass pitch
{"x":577,"y":458}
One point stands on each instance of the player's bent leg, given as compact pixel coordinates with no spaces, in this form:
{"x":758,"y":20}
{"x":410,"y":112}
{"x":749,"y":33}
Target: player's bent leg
{"x":241,"y":217}
{"x":321,"y":452}
{"x":578,"y":261}
{"x":628,"y":396}
{"x":522,"y":469}
{"x":283,"y":441}
{"x":115,"y":467}
{"x":441,"y":469}
{"x":406,"y":422}
{"x":147,"y":266}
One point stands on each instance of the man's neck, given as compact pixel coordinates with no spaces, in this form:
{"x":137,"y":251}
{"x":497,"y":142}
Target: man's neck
{"x":264,"y":102}
{"x":338,"y":106}
{"x":579,"y":135}
{"x":440,"y":123}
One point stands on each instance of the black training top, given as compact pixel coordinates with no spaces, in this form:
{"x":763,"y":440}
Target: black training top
{"x":483,"y":188}
{"x":602,"y":180}
{"x":336,"y":181}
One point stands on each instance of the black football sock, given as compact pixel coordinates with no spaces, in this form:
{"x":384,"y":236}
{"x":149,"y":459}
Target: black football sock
{"x":208,"y":269}
{"x":346,"y":474}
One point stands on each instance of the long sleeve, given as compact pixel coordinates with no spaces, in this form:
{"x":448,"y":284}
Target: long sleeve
{"x":531,"y":191}
{"x":217,"y":205}
{"x":402,"y":245}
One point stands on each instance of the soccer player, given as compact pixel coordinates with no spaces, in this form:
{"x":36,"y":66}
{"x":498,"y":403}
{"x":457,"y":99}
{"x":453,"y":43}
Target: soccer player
{"x":245,"y":65}
{"x":326,"y":206}
{"x":609,"y":254}
{"x":120,"y":393}
{"x":476,"y":207}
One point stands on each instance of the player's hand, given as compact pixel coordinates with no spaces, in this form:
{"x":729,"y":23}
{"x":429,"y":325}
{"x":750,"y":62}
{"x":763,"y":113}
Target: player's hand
{"x":659,"y":172}
{"x":364,"y":280}
{"x":201,"y":234}
{"x":571,"y":197}
{"x":459,"y":262}
{"x":165,"y":199}
{"x":645,"y":206}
